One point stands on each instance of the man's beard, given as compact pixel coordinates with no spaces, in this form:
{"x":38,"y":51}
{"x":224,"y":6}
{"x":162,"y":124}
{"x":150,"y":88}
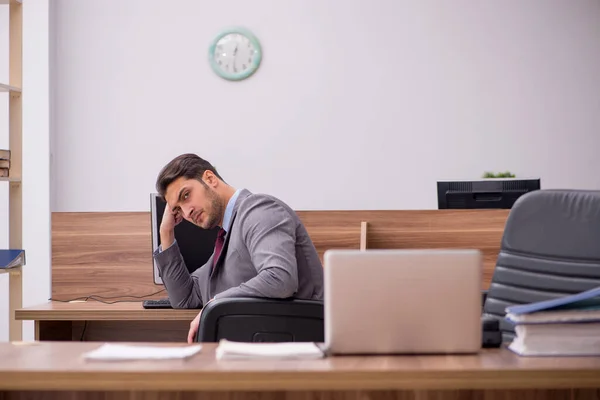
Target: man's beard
{"x":217,"y":210}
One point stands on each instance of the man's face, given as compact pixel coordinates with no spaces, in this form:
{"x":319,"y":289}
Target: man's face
{"x":198,"y":203}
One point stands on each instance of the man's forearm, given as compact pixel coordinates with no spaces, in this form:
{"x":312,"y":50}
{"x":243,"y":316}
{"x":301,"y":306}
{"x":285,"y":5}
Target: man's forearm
{"x":183,"y":289}
{"x":167,"y":237}
{"x":274,"y":283}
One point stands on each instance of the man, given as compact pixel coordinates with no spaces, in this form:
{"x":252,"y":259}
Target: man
{"x":262,"y":249}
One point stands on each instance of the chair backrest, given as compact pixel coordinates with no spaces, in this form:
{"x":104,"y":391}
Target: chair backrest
{"x":262,"y":320}
{"x":550,"y":248}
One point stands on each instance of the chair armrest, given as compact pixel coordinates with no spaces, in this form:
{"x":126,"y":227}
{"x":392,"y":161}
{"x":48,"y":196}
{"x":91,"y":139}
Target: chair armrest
{"x":250,"y":306}
{"x":484,"y":294}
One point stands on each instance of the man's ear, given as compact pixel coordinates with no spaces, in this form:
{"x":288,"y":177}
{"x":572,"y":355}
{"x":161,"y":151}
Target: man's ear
{"x":210,"y":178}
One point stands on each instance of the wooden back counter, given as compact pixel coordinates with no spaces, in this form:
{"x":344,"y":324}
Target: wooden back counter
{"x":110,"y":254}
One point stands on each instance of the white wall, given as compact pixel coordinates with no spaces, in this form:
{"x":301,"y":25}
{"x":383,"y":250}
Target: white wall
{"x":358,"y":104}
{"x":36,"y":156}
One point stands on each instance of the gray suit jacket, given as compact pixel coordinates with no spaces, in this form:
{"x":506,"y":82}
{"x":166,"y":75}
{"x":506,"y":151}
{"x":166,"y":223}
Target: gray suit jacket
{"x":267,"y":253}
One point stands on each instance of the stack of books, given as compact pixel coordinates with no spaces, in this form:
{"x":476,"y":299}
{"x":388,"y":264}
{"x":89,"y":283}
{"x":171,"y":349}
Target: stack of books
{"x":4,"y":163}
{"x":566,"y":326}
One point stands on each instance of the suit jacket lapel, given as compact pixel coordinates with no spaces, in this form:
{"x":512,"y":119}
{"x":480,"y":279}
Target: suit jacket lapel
{"x":225,"y":246}
{"x":243,"y":194}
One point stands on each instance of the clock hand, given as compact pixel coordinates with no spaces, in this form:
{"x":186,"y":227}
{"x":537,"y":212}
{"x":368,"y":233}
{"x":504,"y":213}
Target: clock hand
{"x":234,"y":57}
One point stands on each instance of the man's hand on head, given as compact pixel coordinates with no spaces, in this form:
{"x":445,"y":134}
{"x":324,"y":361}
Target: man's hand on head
{"x":169,"y":221}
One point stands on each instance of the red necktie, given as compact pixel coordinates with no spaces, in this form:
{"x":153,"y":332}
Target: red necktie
{"x":219,"y":246}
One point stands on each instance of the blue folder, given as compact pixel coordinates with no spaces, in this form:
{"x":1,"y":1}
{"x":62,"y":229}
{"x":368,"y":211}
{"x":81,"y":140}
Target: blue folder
{"x":11,"y":258}
{"x":588,"y":300}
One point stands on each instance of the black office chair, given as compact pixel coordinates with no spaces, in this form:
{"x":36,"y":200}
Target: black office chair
{"x":550,"y":248}
{"x":262,"y":320}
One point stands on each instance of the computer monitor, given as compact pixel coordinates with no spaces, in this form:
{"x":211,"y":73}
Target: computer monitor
{"x":196,"y":244}
{"x":486,"y":193}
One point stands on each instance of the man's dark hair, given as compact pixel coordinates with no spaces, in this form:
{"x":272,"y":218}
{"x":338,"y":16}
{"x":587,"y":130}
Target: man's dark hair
{"x":189,"y":166}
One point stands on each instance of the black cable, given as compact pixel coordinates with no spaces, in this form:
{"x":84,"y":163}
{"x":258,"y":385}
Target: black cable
{"x":83,"y":331}
{"x":98,"y":297}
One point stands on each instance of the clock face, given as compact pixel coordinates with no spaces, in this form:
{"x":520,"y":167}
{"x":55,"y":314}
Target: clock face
{"x":235,"y":54}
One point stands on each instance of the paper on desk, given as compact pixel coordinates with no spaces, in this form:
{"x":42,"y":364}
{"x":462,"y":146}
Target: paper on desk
{"x":228,"y":350}
{"x":120,"y":352}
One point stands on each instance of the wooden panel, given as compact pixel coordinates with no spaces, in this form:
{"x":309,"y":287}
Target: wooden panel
{"x":131,"y":331}
{"x":407,"y":229}
{"x":102,"y":254}
{"x":154,"y":326}
{"x":54,"y":330}
{"x":304,"y":395}
{"x":586,"y":394}
{"x":109,"y":254}
{"x":332,"y":229}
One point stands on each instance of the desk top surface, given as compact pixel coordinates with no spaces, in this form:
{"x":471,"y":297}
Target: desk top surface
{"x":97,"y":311}
{"x":59,"y":365}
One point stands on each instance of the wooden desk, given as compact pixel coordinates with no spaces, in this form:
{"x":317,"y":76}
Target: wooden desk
{"x":95,"y":321}
{"x":55,"y":370}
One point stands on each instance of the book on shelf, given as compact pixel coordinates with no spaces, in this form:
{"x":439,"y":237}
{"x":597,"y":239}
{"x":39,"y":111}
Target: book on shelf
{"x":4,"y":163}
{"x":565,"y":326}
{"x":11,"y":258}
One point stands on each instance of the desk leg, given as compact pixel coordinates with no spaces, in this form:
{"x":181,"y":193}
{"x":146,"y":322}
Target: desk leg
{"x":54,"y":330}
{"x":15,"y":300}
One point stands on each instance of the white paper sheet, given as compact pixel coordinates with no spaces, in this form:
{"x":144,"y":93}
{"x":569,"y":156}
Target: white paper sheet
{"x":228,"y":350}
{"x":121,"y":352}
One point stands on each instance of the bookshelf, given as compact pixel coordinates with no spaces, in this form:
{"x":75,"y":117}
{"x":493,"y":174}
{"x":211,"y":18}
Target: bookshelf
{"x":12,"y":88}
{"x":8,"y":88}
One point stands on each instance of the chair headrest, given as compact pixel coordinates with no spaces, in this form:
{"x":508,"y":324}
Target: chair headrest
{"x":561,"y":223}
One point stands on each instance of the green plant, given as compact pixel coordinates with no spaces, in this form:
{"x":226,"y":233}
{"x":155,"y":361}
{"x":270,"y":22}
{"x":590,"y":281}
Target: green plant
{"x":506,"y":174}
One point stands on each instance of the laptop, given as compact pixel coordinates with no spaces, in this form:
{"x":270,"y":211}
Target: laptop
{"x":402,"y":301}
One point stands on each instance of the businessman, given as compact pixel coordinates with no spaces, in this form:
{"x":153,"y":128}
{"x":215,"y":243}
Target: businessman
{"x":262,"y":248}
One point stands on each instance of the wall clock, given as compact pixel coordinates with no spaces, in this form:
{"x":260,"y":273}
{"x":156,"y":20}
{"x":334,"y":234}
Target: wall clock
{"x":235,"y":54}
